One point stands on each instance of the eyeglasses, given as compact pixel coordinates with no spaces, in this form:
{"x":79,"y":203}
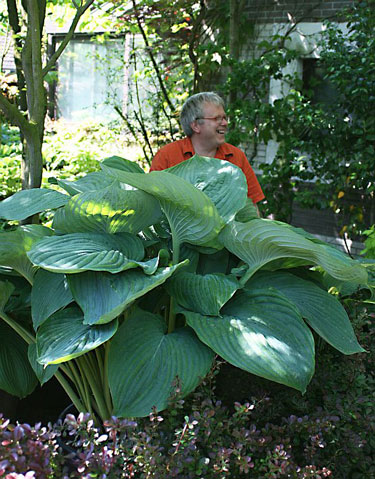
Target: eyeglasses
{"x":218,"y":118}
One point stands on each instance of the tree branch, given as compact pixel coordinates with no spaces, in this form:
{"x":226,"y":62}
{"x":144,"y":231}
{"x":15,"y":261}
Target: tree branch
{"x":153,"y":61}
{"x":15,"y":26}
{"x":14,"y":115}
{"x":80,"y":11}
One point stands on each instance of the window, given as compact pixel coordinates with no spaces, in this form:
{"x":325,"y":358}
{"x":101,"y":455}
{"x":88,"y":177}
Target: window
{"x":314,"y":83}
{"x":85,"y":81}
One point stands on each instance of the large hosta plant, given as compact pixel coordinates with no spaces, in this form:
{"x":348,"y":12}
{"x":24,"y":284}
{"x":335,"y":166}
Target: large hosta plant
{"x":139,"y":280}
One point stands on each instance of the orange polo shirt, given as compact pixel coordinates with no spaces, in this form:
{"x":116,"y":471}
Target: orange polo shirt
{"x":181,"y":150}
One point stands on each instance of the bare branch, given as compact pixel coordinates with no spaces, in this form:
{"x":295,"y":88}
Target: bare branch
{"x":132,"y":131}
{"x":15,"y":26}
{"x":80,"y":11}
{"x":152,"y":58}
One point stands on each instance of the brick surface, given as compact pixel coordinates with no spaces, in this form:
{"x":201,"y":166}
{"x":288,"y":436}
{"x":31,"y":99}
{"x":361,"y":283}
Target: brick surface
{"x":276,"y":11}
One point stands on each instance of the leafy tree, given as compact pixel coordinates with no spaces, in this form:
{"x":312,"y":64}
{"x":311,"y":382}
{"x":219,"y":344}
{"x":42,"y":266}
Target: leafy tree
{"x":180,"y":54}
{"x":26,"y":20}
{"x":331,"y":143}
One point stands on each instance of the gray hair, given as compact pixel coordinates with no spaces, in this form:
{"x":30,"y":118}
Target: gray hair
{"x":193,"y":108}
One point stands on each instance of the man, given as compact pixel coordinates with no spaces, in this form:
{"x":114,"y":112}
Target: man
{"x":205,"y":125}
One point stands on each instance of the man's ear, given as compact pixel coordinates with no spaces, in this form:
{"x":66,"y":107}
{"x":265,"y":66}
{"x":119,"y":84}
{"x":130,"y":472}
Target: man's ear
{"x":195,"y":126}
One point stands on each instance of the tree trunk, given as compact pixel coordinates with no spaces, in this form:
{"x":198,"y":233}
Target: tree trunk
{"x":32,"y":162}
{"x":30,"y":113}
{"x":236,"y":7}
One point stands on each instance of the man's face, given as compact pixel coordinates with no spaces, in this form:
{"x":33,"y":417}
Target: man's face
{"x":214,"y":127}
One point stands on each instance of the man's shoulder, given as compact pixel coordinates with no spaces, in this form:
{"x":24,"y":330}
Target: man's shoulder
{"x":229,"y":149}
{"x":178,"y":145}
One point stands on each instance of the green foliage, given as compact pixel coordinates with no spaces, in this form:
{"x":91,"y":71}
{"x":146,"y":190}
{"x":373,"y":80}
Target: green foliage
{"x":122,"y":320}
{"x":331,"y":144}
{"x":69,"y":152}
{"x":10,"y":157}
{"x":369,"y":250}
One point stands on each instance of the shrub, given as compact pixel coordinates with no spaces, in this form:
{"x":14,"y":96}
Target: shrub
{"x":163,"y":277}
{"x":69,"y":151}
{"x":27,"y":452}
{"x":327,"y":433}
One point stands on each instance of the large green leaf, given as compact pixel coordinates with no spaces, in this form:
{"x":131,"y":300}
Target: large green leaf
{"x":63,"y":336}
{"x":322,"y":311}
{"x":191,"y":214}
{"x":144,"y":362}
{"x":103,"y":296}
{"x":94,"y":181}
{"x":77,"y":252}
{"x":26,"y":203}
{"x":262,"y":333}
{"x":122,"y":164}
{"x":43,"y":373}
{"x":192,"y":255}
{"x":260,"y":241}
{"x":110,"y":210}
{"x":49,"y":294}
{"x":16,"y":374}
{"x":247,"y":213}
{"x":15,"y":244}
{"x":218,"y":262}
{"x":224,"y":183}
{"x":6,"y":290}
{"x":204,"y":294}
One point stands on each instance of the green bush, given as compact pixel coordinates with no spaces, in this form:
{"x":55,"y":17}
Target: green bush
{"x":329,"y":144}
{"x":69,"y":151}
{"x":138,"y":286}
{"x":369,"y":250}
{"x":10,"y":161}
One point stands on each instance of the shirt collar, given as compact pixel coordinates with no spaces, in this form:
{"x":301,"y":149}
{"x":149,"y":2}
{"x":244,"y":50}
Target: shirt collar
{"x":223,"y":153}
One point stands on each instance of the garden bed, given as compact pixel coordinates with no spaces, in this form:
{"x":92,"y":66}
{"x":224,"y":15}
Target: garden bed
{"x":234,"y":426}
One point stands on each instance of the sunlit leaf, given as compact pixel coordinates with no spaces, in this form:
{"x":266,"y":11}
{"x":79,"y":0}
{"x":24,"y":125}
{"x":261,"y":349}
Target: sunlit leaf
{"x":321,"y":310}
{"x":110,"y":210}
{"x":191,"y":214}
{"x":224,"y":183}
{"x":26,"y":203}
{"x":263,"y":334}
{"x":122,"y":164}
{"x":94,"y":181}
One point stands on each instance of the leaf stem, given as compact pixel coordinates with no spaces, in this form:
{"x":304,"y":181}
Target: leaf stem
{"x":78,"y":381}
{"x":103,"y":411}
{"x":107,"y":393}
{"x":86,"y":393}
{"x":25,"y":335}
{"x":175,"y":260}
{"x":69,"y":391}
{"x":172,"y":316}
{"x":249,"y":273}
